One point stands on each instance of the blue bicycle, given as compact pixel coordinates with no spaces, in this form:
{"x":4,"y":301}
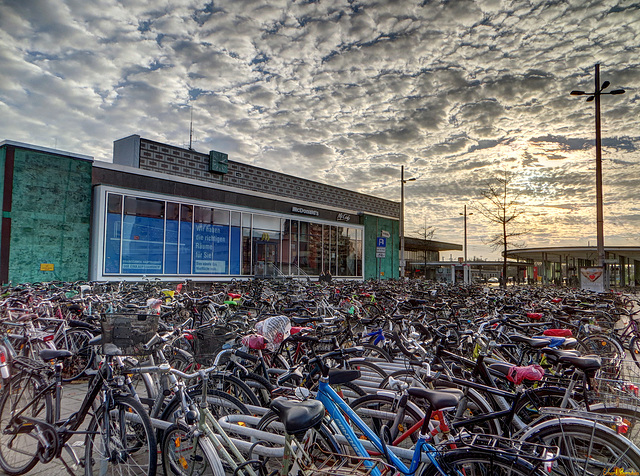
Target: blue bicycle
{"x":468,"y":455}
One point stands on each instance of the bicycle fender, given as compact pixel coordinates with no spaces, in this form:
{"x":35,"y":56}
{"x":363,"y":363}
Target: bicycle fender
{"x":575,"y":421}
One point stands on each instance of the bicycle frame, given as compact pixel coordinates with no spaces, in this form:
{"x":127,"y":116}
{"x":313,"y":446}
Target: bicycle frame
{"x":342,"y":414}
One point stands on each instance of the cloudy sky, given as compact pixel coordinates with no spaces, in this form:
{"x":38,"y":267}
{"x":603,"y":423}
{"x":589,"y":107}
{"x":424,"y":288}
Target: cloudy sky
{"x":346,"y":91}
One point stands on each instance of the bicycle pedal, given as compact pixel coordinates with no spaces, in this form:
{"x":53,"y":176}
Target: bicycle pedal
{"x":197,"y":458}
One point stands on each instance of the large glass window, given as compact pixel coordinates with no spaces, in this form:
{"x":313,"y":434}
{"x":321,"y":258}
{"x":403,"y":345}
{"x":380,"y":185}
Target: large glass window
{"x":186,"y":236}
{"x":171,"y":238}
{"x":142,"y":236}
{"x":235,"y":256}
{"x":203,"y":241}
{"x":112,"y":234}
{"x":311,"y":249}
{"x":158,"y":237}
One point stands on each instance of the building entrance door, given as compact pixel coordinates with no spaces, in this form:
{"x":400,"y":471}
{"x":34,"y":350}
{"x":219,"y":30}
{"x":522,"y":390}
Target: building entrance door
{"x":266,"y":253}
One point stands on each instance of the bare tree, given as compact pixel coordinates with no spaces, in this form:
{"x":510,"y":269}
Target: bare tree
{"x":501,"y":207}
{"x":425,"y":233}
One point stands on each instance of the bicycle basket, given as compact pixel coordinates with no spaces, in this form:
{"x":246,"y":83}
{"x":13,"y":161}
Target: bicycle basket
{"x":129,"y":331}
{"x":208,"y":342}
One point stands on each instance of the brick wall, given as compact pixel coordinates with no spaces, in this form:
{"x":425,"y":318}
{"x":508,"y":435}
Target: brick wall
{"x":172,"y":160}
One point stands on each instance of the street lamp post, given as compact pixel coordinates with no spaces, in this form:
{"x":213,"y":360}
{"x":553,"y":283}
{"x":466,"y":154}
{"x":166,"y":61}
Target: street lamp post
{"x":598,"y":91}
{"x":402,"y":182}
{"x":465,"y":231}
{"x":466,"y":277}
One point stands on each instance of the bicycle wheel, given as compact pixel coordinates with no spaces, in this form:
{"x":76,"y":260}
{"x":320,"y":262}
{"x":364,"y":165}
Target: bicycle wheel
{"x":369,"y":370}
{"x":220,"y":404}
{"x":380,"y":410}
{"x":471,"y":462}
{"x":181,"y":458}
{"x":634,"y":350}
{"x":234,"y":386}
{"x":77,"y":342}
{"x":586,"y":447}
{"x":528,"y":408}
{"x":121,"y":441}
{"x":375,"y":353}
{"x":314,"y":441}
{"x":608,"y":349}
{"x":18,"y":449}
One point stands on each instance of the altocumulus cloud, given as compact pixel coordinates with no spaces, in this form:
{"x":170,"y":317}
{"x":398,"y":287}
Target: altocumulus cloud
{"x":347,"y":91}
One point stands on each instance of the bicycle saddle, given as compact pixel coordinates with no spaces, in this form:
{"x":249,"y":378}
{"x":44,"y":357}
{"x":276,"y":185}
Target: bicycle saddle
{"x":588,"y":363}
{"x":438,"y":399}
{"x":296,"y":416}
{"x":54,"y":354}
{"x":535,"y":342}
{"x":338,"y":376}
{"x":557,"y":353}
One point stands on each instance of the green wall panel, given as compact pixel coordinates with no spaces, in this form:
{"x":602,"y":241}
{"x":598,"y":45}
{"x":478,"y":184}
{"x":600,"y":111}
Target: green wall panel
{"x":50,"y":217}
{"x":387,"y":267}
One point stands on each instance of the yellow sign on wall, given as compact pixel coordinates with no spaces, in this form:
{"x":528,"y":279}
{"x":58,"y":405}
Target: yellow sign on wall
{"x":46,"y":266}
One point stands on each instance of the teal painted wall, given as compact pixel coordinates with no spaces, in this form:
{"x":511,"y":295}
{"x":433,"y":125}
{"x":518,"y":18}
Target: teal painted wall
{"x":50,"y":217}
{"x":389,"y":265}
{"x":3,"y":153}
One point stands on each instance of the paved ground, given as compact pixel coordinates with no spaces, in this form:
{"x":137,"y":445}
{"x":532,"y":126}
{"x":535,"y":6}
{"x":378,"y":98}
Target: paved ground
{"x":71,"y":401}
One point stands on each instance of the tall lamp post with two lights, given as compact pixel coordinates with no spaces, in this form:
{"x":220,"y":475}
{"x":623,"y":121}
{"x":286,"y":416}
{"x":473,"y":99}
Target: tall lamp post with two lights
{"x":595,"y":96}
{"x":402,"y":182}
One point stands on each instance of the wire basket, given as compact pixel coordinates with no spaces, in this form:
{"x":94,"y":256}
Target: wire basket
{"x":209,"y":341}
{"x":129,"y":331}
{"x":335,"y":464}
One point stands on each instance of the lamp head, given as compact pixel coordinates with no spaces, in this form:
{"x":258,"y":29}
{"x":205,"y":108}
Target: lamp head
{"x":577,"y":93}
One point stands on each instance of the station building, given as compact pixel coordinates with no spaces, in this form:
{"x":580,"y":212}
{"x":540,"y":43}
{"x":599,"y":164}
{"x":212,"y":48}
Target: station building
{"x":161,"y":211}
{"x":165,"y":211}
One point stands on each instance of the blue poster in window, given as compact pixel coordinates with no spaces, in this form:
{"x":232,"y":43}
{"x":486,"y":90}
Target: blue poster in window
{"x":142,"y":242}
{"x":236,"y":247}
{"x":210,"y":249}
{"x":112,"y":244}
{"x":185,"y":247}
{"x":171,"y":247}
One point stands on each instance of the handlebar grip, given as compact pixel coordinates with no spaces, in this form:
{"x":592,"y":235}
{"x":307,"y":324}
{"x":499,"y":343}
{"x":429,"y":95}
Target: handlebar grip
{"x":244,"y":355}
{"x":154,"y":340}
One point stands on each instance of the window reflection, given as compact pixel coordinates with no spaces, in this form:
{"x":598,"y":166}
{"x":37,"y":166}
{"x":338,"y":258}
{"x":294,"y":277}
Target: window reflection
{"x":156,"y":237}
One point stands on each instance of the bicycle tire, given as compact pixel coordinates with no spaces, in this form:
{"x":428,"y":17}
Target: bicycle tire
{"x":19,"y":392}
{"x":473,"y":461}
{"x":608,"y":349}
{"x":260,"y":386}
{"x":634,"y":350}
{"x":232,"y":385}
{"x":178,"y":454}
{"x":605,"y":449}
{"x":220,"y":403}
{"x":528,"y":410}
{"x":322,"y":436}
{"x":366,"y":368}
{"x":379,"y":410}
{"x":77,"y":342}
{"x":375,"y":352}
{"x":132,"y":440}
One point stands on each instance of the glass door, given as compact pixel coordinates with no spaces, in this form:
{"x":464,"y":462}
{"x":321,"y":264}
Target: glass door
{"x":266,"y":257}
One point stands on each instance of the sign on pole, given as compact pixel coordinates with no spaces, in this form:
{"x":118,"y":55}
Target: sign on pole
{"x":381,"y":247}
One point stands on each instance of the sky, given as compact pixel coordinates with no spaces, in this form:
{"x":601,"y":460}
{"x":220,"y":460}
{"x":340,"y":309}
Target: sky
{"x":345,"y":92}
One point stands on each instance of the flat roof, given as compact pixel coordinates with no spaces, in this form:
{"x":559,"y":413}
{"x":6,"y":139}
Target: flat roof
{"x":48,"y":150}
{"x":558,"y":253}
